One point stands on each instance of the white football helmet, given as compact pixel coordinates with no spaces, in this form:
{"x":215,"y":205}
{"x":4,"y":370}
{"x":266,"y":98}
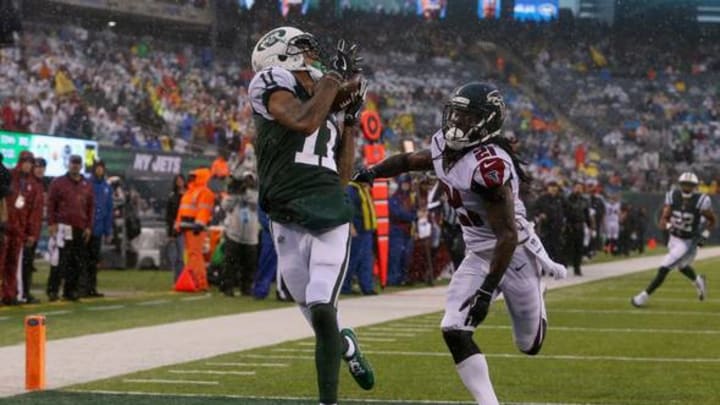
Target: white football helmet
{"x":285,"y":47}
{"x":688,"y":178}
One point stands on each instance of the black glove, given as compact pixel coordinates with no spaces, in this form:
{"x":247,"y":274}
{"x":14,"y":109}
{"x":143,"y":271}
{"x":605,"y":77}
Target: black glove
{"x":352,"y":112}
{"x":479,"y":304}
{"x":346,"y":61}
{"x":364,"y":175}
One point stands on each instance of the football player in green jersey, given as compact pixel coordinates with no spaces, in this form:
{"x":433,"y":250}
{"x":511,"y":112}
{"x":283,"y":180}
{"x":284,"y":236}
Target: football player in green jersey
{"x":689,"y":217}
{"x":304,"y":162}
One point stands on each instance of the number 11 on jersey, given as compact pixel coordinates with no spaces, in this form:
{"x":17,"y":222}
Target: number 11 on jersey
{"x":311,"y":155}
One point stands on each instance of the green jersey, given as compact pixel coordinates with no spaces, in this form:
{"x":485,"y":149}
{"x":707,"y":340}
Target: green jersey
{"x":298,"y":176}
{"x":686,"y":213}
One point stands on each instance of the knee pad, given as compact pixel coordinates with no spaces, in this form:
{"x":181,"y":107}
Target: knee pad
{"x":537,"y":343}
{"x":460,"y":343}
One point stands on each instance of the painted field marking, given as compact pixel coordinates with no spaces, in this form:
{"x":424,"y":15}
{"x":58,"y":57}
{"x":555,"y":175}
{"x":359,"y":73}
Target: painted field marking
{"x":198,"y":298}
{"x":397,"y":329}
{"x":4,"y":318}
{"x":231,"y":364}
{"x":385,"y":334}
{"x":632,"y":312}
{"x":547,"y":357}
{"x":295,"y":399}
{"x":154,"y":302}
{"x":626,"y":299}
{"x":278,"y":356}
{"x":616,"y":330}
{"x":58,"y":312}
{"x":161,"y":381}
{"x":377,"y":339}
{"x":105,"y":308}
{"x":212,"y":372}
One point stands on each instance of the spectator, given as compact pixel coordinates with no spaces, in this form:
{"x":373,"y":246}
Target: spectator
{"x":29,"y":251}
{"x":577,"y":217}
{"x":550,"y":220}
{"x":402,"y":216}
{"x":71,"y":209}
{"x":175,"y":239}
{"x":23,"y":203}
{"x":5,"y":181}
{"x":241,"y":235}
{"x":102,"y":230}
{"x":362,"y":229}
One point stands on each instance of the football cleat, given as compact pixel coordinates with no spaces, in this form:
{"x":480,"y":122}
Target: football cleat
{"x":359,"y":366}
{"x":640,"y":300}
{"x":701,"y":286}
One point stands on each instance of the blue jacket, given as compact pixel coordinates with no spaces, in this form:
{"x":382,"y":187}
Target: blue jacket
{"x":103,"y":207}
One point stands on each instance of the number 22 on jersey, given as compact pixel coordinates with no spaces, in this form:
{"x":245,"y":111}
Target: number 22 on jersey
{"x":319,"y":148}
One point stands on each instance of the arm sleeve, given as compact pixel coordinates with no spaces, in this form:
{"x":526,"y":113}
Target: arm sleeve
{"x":264,"y":84}
{"x":669,"y":198}
{"x":704,"y":203}
{"x":491,"y":172}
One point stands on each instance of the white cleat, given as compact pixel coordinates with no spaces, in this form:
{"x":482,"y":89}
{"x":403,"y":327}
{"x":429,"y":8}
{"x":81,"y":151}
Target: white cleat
{"x":640,"y":300}
{"x":701,"y":286}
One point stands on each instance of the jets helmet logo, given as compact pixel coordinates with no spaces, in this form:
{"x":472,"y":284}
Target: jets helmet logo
{"x":272,"y":38}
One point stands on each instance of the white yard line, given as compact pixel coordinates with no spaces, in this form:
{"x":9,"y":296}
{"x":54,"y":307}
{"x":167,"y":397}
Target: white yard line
{"x":642,"y":311}
{"x":58,"y":312}
{"x":552,"y":328}
{"x":196,"y":298}
{"x":4,"y":318}
{"x":161,"y":381}
{"x":180,"y":342}
{"x":153,"y":302}
{"x":105,"y":308}
{"x":398,"y":329}
{"x":233,"y":364}
{"x":212,"y":372}
{"x":384,"y":334}
{"x":537,"y":358}
{"x":376,"y":339}
{"x":310,"y":399}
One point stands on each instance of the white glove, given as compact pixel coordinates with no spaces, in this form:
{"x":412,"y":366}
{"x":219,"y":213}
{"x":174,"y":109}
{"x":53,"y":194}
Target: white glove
{"x":558,"y":271}
{"x":705,"y":234}
{"x":593,"y":234}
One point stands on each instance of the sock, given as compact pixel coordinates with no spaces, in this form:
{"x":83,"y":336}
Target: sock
{"x":327,"y":351}
{"x":475,"y":375}
{"x":658,"y":280}
{"x":348,"y":347}
{"x":688,"y":272}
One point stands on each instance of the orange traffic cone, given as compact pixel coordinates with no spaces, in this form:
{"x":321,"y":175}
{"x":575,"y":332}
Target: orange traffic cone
{"x":186,"y":281}
{"x":652,"y":244}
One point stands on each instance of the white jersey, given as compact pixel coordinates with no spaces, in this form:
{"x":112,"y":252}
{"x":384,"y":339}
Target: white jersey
{"x":612,"y":213}
{"x":483,"y":167}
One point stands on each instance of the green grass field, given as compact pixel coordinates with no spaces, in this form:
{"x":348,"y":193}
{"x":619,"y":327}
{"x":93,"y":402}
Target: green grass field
{"x":599,"y":350}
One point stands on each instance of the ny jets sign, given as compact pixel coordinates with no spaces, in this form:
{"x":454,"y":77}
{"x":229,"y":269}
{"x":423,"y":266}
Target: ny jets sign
{"x":146,"y":162}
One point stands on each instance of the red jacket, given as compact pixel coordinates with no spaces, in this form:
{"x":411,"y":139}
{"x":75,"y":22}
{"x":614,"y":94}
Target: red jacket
{"x":71,"y":202}
{"x":23,"y":221}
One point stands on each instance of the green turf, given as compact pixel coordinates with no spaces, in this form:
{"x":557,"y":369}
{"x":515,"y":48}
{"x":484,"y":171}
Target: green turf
{"x":599,"y":350}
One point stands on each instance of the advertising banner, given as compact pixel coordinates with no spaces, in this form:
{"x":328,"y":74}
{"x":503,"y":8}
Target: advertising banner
{"x":535,"y":10}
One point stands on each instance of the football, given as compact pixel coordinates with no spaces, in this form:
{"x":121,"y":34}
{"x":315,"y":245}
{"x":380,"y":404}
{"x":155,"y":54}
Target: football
{"x":347,"y":92}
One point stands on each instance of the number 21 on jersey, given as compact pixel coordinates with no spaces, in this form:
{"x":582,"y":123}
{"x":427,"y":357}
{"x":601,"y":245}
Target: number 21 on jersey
{"x":319,"y":148}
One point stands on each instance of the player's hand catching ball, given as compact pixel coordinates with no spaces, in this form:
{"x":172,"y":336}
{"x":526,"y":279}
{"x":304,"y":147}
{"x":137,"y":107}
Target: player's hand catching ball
{"x":346,"y":62}
{"x":479,"y":304}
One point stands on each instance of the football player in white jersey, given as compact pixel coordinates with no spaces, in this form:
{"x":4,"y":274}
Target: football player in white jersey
{"x":612,"y":222}
{"x":481,"y":176}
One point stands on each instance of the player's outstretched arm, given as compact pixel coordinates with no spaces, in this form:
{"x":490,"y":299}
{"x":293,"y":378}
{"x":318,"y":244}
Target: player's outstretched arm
{"x":396,"y":165}
{"x":664,"y":217}
{"x":304,"y":117}
{"x":347,"y":154}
